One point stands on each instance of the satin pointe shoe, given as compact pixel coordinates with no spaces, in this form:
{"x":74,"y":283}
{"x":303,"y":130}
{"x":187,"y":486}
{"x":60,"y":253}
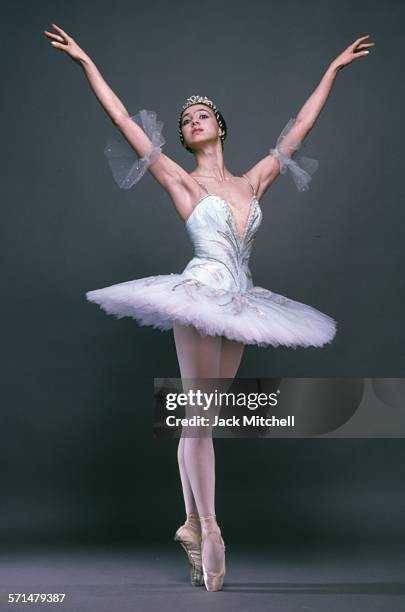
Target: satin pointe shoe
{"x":211,"y":532}
{"x":189,"y":537}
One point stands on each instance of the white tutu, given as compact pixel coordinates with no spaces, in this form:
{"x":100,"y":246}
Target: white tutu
{"x":256,"y":316}
{"x":215,"y":292}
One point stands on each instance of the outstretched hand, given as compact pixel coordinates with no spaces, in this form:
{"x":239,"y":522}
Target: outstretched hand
{"x":65,"y":43}
{"x":353,"y":51}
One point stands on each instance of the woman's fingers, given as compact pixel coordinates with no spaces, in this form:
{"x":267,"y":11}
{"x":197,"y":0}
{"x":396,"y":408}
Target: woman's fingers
{"x":362,"y":38}
{"x":62,"y":32}
{"x":358,"y":41}
{"x":358,"y":48}
{"x":58,"y":45}
{"x":53,"y":36}
{"x":354,"y":51}
{"x":57,"y":41}
{"x":65,"y":43}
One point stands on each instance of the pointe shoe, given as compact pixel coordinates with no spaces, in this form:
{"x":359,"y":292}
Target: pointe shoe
{"x":213,"y":580}
{"x":190,"y":540}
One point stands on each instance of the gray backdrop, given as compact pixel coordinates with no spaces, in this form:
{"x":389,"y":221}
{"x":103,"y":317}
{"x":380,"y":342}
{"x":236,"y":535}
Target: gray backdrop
{"x":77,"y":451}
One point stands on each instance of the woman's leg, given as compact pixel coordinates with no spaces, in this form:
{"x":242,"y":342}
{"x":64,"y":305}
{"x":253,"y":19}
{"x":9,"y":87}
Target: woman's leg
{"x":199,"y":357}
{"x":189,"y":502}
{"x":231,"y":356}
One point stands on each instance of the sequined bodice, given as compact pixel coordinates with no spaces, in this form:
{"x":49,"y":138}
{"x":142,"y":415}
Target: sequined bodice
{"x":221,"y":253}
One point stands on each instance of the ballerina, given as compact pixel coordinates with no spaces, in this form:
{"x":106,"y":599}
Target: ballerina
{"x":213,"y":307}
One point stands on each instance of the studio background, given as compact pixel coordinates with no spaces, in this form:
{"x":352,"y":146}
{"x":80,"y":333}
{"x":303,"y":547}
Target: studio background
{"x":79,"y":462}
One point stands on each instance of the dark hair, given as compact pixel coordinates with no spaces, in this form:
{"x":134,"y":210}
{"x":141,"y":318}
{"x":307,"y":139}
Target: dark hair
{"x":221,"y":123}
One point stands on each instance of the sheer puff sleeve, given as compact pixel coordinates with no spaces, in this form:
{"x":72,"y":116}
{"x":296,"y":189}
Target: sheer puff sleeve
{"x":126,"y":166}
{"x":303,"y":167}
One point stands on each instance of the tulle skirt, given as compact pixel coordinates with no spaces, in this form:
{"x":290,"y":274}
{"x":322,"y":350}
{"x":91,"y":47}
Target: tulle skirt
{"x":255,"y":316}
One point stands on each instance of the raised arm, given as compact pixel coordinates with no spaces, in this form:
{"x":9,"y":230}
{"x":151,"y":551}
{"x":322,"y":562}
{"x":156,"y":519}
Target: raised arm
{"x":166,"y":171}
{"x":293,"y":135}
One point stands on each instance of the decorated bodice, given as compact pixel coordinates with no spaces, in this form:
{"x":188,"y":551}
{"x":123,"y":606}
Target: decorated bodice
{"x":220,"y":247}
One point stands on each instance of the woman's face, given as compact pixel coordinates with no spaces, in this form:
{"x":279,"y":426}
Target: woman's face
{"x":199,"y":125}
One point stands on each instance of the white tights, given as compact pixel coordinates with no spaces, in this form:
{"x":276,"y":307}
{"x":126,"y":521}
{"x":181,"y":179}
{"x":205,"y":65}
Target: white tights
{"x":201,"y":357}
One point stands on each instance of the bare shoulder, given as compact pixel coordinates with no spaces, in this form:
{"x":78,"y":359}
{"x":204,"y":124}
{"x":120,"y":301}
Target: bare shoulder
{"x":179,"y":184}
